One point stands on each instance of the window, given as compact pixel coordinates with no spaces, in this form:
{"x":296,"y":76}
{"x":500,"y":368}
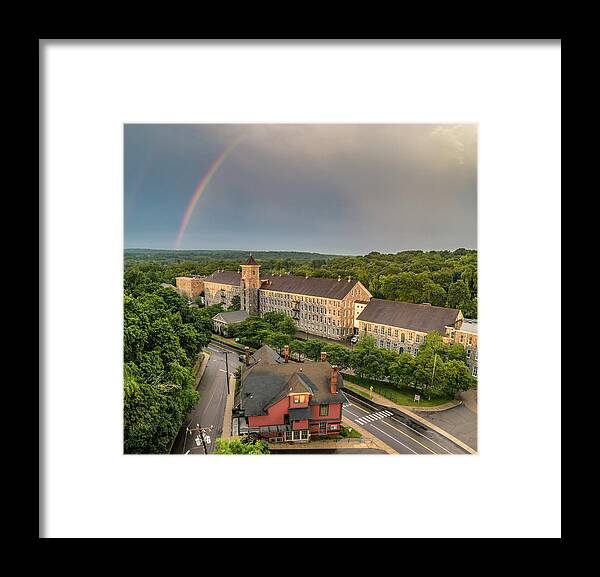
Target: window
{"x":401,"y":349}
{"x":289,"y":435}
{"x":304,"y":435}
{"x":417,"y":339}
{"x":297,"y":399}
{"x":333,"y":427}
{"x":322,"y":427}
{"x":462,"y":338}
{"x":474,"y":371}
{"x":402,"y":338}
{"x":468,"y":353}
{"x":475,"y":354}
{"x":323,"y":410}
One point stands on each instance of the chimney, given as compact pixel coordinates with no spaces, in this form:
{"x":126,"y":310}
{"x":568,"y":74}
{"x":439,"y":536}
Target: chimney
{"x":286,"y":352}
{"x":323,"y":356}
{"x":333,"y":384}
{"x":247,"y":355}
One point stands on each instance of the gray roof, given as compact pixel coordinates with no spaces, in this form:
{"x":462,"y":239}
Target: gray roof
{"x":311,"y":286}
{"x":469,"y":326}
{"x":266,"y":355}
{"x":299,"y":414}
{"x":231,"y":317}
{"x":225,"y":277}
{"x":422,"y":318}
{"x":265,"y":384}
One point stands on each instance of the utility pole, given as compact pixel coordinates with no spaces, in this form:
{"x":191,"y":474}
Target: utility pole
{"x":433,"y":372}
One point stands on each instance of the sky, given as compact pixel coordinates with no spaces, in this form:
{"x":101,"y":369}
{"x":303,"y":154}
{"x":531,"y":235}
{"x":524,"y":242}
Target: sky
{"x":329,"y":188}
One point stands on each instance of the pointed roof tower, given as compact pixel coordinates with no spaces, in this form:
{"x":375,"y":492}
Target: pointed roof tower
{"x":250,"y":261}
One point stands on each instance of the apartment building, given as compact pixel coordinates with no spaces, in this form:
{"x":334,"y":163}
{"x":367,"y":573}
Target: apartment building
{"x":403,"y":327}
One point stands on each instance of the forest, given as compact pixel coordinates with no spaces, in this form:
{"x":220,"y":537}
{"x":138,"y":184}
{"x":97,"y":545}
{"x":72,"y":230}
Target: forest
{"x":441,"y":278}
{"x":162,"y":339}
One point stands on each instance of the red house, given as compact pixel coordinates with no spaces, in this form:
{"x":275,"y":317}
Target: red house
{"x":285,"y":401}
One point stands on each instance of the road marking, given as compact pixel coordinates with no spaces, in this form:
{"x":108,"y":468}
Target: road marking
{"x":408,"y":427}
{"x":394,"y":438}
{"x":424,"y":436}
{"x":411,"y":438}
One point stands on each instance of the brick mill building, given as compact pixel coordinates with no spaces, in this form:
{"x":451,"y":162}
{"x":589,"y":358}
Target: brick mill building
{"x":335,"y":308}
{"x":320,"y":306}
{"x":190,"y":286}
{"x":283,"y":402}
{"x":465,"y":334}
{"x":402,"y":327}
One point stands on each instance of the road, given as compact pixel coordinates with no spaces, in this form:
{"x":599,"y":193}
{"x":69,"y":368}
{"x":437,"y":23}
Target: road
{"x":398,"y":431}
{"x":211,"y":406}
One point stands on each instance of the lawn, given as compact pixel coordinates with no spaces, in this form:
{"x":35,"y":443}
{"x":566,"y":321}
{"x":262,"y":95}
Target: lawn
{"x":401,"y":396}
{"x":346,"y":432}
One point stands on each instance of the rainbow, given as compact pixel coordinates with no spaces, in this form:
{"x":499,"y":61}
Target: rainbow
{"x":201,"y":186}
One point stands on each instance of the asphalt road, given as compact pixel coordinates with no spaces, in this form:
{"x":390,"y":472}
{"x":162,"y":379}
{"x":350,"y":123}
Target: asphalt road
{"x":398,"y":431}
{"x":211,"y":406}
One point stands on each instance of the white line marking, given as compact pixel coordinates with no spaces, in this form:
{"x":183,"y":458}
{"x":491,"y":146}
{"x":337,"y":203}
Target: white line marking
{"x":394,"y":438}
{"x":424,"y":436}
{"x":414,"y":430}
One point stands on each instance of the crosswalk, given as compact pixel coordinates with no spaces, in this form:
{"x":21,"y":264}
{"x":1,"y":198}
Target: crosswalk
{"x":374,"y":417}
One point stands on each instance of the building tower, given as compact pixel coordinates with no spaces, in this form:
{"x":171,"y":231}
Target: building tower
{"x":249,"y":287}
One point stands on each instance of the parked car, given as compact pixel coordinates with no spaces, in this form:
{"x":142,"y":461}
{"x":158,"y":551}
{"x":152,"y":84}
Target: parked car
{"x":353,"y":339}
{"x":241,"y":358}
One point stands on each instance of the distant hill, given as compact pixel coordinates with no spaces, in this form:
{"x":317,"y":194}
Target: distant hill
{"x":158,"y":255}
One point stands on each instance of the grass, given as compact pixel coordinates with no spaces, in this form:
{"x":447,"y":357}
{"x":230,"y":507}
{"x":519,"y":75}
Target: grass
{"x":346,"y":432}
{"x":401,"y":396}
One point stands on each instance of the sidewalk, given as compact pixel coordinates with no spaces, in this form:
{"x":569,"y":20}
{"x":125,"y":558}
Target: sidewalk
{"x":381,"y":400}
{"x":227,"y":418}
{"x":200,"y":372}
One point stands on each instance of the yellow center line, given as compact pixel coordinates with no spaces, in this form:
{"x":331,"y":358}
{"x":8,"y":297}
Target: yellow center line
{"x":411,"y":438}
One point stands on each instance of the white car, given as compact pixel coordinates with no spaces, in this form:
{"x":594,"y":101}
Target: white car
{"x":353,"y":339}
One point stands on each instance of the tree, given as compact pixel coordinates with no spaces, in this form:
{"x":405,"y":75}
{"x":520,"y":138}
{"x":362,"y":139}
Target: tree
{"x":243,"y":446}
{"x":458,"y":294}
{"x":367,"y":360}
{"x":297,"y":346}
{"x":277,"y":340}
{"x":401,"y":371}
{"x":235,"y":303}
{"x":457,"y":376}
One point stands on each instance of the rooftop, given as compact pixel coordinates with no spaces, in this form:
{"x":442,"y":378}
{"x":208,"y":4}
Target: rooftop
{"x":225,"y":277}
{"x":264,"y":384}
{"x":418,"y":317}
{"x":250,"y":261}
{"x":311,"y":286}
{"x":469,"y":326}
{"x":231,"y":317}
